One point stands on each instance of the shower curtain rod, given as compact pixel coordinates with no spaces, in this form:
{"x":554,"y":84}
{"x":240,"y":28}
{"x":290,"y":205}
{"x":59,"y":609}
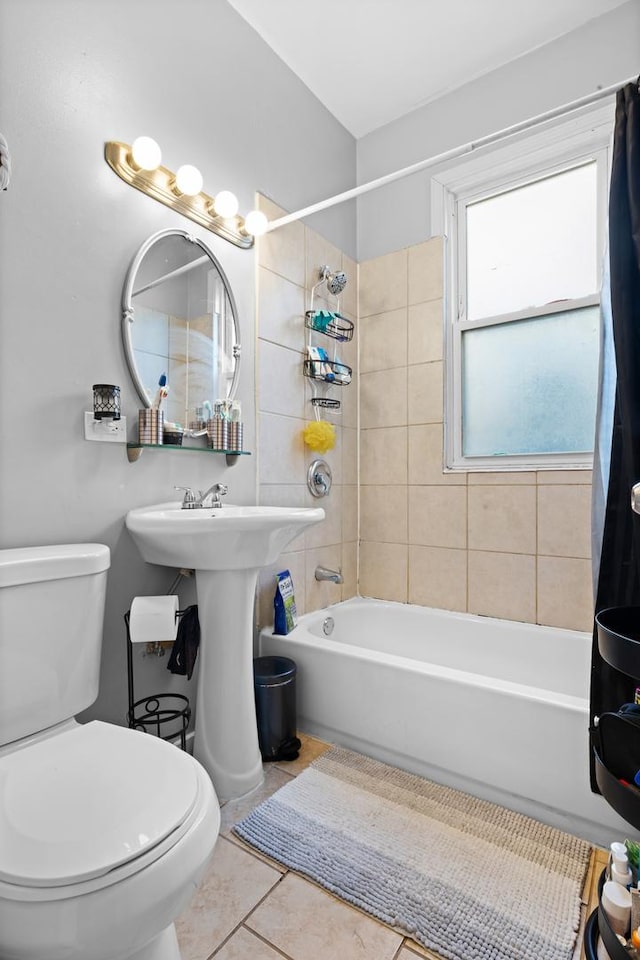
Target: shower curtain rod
{"x":452,"y":154}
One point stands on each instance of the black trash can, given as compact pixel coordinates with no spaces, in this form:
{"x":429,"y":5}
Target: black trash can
{"x":274,"y":680}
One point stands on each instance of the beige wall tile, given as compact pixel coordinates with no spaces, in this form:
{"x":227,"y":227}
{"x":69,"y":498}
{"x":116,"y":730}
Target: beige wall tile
{"x":349,"y":455}
{"x":565,"y":476}
{"x":280,"y":380}
{"x":330,"y":530}
{"x":349,"y":512}
{"x":383,"y":514}
{"x":501,"y":479}
{"x":281,"y":449}
{"x":425,"y":393}
{"x":383,"y":398}
{"x":283,"y":495}
{"x":349,"y":569}
{"x":502,"y":518}
{"x":426,"y":456}
{"x":348,"y":398}
{"x":235,"y":882}
{"x":383,"y":570}
{"x":282,"y":251}
{"x":564,"y":520}
{"x":349,"y":299}
{"x":281,"y":308}
{"x":438,"y":577}
{"x":382,"y":283}
{"x":425,"y":332}
{"x":425,"y":270}
{"x":320,"y":253}
{"x":502,"y":585}
{"x":308,"y":924}
{"x":321,"y":593}
{"x":383,"y":455}
{"x":565,"y":597}
{"x":438,"y":516}
{"x":383,"y":341}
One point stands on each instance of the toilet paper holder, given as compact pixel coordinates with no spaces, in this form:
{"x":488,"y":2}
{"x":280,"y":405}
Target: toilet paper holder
{"x":165,"y":715}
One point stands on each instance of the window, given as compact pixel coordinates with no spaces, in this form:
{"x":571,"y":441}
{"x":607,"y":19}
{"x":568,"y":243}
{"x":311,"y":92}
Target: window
{"x":525,"y":234}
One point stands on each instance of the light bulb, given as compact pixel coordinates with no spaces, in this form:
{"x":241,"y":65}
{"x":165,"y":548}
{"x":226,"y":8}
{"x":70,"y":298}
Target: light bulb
{"x":145,"y":153}
{"x":255,"y":223}
{"x":188,"y":180}
{"x":226,"y":204}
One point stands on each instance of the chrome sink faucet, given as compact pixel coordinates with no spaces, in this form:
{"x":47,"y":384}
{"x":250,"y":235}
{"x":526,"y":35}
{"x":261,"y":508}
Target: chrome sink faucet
{"x":210,"y":497}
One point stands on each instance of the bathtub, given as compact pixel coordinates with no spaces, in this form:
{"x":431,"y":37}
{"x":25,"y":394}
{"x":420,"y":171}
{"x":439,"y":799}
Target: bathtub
{"x":493,"y":707}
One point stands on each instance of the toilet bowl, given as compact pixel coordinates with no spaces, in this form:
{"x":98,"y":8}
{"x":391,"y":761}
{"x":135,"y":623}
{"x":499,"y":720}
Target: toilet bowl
{"x":105,"y":832}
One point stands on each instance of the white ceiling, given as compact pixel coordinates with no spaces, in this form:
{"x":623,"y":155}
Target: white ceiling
{"x":371,"y":61}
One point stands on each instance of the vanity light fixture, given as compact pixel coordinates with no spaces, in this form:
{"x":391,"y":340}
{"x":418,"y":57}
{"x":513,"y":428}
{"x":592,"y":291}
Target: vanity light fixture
{"x":139,"y":166}
{"x":256,"y":223}
{"x":145,"y":153}
{"x":188,"y":181}
{"x":226,"y":204}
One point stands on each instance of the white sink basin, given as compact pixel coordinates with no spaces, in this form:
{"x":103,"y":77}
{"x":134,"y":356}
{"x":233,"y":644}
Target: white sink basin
{"x":225,"y":538}
{"x":226,"y":546}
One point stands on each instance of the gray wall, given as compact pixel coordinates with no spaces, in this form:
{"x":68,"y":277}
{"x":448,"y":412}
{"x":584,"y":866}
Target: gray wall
{"x":603,"y":52}
{"x":74,"y":74}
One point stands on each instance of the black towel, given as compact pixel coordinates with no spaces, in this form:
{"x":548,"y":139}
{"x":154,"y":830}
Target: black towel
{"x":185,"y":646}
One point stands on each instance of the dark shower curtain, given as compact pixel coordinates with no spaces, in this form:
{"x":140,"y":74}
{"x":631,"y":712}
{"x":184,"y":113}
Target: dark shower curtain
{"x":619,"y":574}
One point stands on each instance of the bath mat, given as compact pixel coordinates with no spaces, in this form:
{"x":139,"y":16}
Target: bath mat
{"x":464,"y":877}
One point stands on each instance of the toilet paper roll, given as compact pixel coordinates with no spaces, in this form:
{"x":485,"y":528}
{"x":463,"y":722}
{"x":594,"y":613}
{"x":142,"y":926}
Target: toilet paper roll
{"x":153,"y":619}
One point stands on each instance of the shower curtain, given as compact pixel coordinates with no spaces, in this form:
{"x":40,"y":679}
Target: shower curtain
{"x":618,"y":580}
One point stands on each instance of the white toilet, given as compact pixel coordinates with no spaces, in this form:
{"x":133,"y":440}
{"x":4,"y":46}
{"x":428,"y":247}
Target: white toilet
{"x":105,"y":832}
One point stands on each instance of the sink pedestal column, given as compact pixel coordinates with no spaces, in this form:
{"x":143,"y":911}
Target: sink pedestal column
{"x":226,"y":736}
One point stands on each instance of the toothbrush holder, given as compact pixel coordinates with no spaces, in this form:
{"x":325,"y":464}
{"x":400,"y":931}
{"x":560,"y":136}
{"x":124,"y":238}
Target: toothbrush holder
{"x":150,"y":426}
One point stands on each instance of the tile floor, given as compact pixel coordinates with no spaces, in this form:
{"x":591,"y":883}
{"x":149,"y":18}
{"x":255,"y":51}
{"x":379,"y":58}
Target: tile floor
{"x":251,"y":908}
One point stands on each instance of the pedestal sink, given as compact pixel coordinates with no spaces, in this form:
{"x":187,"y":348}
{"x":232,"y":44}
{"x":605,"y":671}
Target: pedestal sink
{"x":226,"y":547}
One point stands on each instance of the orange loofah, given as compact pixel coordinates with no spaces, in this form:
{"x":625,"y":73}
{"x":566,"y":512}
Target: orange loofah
{"x":320,"y":436}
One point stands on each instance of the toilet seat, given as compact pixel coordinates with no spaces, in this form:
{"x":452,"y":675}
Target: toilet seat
{"x":90,"y":805}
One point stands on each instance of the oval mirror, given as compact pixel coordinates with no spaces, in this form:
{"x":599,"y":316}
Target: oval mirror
{"x":179,"y":319}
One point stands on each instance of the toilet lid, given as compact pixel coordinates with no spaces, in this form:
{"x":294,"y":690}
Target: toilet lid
{"x":78,"y":804}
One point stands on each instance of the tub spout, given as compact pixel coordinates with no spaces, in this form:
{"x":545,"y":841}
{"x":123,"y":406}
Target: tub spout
{"x":334,"y":576}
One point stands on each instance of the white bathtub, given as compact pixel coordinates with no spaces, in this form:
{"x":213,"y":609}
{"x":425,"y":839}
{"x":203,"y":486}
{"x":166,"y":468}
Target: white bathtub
{"x":497,"y":708}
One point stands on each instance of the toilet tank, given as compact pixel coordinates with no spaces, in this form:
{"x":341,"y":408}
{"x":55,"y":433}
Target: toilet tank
{"x":51,"y":613}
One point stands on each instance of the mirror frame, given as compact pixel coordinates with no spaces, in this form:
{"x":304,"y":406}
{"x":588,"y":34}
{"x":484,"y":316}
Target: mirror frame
{"x":128,"y":310}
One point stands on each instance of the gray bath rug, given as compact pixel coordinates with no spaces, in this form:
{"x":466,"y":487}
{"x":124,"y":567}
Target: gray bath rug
{"x":464,"y":877}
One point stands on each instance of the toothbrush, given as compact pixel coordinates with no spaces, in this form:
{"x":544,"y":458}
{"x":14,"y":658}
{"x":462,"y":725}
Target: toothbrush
{"x":163,"y":392}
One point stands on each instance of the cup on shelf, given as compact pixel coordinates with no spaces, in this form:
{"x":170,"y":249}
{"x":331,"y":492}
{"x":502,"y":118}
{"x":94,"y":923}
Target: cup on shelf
{"x":150,"y":426}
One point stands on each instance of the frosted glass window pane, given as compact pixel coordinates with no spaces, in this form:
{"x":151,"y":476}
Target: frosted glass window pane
{"x":533,"y":245}
{"x":530,"y":386}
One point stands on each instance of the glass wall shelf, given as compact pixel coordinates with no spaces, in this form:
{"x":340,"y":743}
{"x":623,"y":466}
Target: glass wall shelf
{"x":135,"y":449}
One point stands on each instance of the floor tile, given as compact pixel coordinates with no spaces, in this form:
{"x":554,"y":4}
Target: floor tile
{"x":244,"y":945}
{"x":311,"y":749}
{"x":309,"y":924}
{"x":235,"y":882}
{"x":413,"y":951}
{"x":235,"y":810}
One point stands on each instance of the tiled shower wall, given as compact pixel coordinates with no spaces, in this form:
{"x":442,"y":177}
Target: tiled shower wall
{"x":289,"y":260}
{"x":508,"y":545}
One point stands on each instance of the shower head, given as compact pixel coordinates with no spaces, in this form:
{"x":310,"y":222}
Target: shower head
{"x":336,"y":281}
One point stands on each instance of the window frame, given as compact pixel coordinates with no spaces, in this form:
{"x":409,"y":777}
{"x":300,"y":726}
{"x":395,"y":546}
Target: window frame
{"x":542,"y":151}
